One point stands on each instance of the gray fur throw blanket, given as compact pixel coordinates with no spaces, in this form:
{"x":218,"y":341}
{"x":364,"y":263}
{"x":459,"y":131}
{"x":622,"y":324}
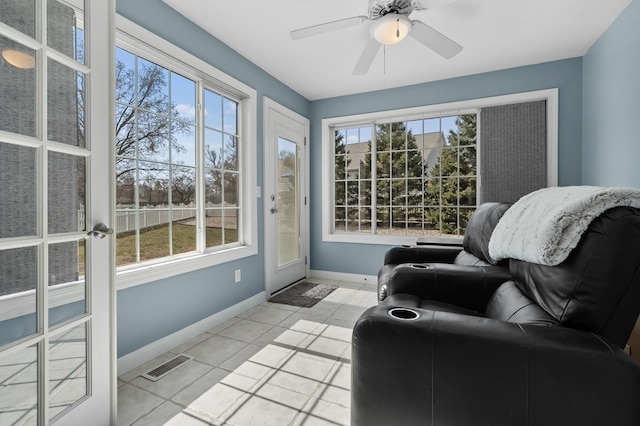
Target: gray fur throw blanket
{"x":544,"y":226}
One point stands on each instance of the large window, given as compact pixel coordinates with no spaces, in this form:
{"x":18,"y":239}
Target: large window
{"x":394,"y":176}
{"x":184,"y":161}
{"x":414,"y":177}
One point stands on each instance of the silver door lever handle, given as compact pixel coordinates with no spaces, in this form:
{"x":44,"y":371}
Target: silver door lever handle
{"x":100,"y":231}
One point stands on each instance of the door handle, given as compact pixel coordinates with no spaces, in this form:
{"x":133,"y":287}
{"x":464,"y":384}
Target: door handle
{"x":274,"y":210}
{"x":100,"y":231}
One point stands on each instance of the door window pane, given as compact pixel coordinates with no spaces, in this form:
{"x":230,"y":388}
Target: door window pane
{"x":18,"y":200}
{"x":18,"y":279}
{"x":19,"y":387}
{"x":67,"y":294}
{"x":65,"y":104}
{"x":19,"y":14}
{"x":288,"y":202}
{"x":67,"y":369}
{"x":66,"y":193}
{"x":65,"y":24}
{"x":17,"y":88}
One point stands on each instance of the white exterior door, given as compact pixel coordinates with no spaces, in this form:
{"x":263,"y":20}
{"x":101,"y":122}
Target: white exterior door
{"x":56,"y":293}
{"x":285,"y":196}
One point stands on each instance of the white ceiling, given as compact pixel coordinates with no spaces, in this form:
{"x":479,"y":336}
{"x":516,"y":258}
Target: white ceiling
{"x":495,"y":34}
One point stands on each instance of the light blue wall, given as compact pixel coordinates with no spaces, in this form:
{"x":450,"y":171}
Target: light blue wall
{"x":611,"y":111}
{"x":151,"y":311}
{"x":565,"y":75}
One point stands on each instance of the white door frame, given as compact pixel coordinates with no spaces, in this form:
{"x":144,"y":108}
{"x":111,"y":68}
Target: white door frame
{"x":100,"y":408}
{"x":271,"y":109}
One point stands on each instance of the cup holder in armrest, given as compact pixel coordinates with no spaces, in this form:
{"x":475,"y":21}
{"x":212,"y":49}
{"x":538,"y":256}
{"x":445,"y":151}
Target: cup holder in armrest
{"x":420,"y":266}
{"x":404,"y":314}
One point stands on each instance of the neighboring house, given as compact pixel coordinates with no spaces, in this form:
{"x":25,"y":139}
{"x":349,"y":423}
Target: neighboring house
{"x":430,"y":145}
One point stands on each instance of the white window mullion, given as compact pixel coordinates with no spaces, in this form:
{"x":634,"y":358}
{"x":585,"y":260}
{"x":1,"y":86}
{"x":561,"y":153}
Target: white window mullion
{"x":136,"y":183}
{"x":374,"y":177}
{"x":201,"y":172}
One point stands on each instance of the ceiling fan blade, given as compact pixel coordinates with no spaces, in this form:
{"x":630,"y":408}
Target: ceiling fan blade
{"x":366,"y":57}
{"x":435,"y":40}
{"x":432,"y":4}
{"x":327,"y":27}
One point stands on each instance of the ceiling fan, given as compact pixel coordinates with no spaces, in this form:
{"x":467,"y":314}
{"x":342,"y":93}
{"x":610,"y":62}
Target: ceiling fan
{"x":390,"y":24}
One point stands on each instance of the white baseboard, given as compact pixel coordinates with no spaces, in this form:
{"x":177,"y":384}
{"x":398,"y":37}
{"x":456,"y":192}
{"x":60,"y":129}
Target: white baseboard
{"x":157,"y":348}
{"x":341,"y":276}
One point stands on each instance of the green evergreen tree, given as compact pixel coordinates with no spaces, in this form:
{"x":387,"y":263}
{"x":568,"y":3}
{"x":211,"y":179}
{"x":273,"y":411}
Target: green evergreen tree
{"x":453,"y":177}
{"x":398,"y":172}
{"x":340,"y":176}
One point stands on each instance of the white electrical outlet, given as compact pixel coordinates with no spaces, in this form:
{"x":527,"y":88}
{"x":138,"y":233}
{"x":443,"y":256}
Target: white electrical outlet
{"x":238,"y":275}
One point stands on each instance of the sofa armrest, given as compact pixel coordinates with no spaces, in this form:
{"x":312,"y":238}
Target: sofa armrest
{"x":470,"y":287}
{"x":447,"y":368}
{"x":421,"y":253}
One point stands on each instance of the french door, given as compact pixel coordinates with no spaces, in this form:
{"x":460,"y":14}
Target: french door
{"x":56,"y":293}
{"x":285,"y":196}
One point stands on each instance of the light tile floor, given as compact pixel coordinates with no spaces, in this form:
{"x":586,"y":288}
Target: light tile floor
{"x":271,"y":365}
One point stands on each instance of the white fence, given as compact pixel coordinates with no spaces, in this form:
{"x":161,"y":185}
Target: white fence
{"x":159,"y":215}
{"x":126,"y":218}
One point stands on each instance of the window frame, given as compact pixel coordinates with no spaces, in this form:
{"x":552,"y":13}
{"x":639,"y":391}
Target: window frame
{"x":329,"y":125}
{"x":137,"y":40}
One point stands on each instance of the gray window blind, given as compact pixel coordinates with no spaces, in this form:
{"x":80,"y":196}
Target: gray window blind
{"x":513,"y":150}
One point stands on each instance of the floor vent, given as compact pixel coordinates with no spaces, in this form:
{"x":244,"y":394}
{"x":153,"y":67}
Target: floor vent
{"x":166,"y":368}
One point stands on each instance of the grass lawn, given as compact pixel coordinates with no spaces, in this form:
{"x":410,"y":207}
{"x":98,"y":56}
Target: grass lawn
{"x":154,"y":242}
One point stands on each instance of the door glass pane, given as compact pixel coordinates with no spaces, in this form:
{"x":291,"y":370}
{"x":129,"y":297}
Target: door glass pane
{"x":18,"y":200}
{"x":67,"y":295}
{"x":18,"y":279}
{"x":288,"y":208}
{"x":19,"y":14}
{"x":17,"y":88}
{"x":65,"y":104}
{"x":19,"y":387}
{"x":65,"y":27}
{"x":67,"y":369}
{"x":66,"y":193}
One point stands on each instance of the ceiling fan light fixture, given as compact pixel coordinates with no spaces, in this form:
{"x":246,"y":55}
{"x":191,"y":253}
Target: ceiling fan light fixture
{"x":392,"y":28}
{"x":19,"y":59}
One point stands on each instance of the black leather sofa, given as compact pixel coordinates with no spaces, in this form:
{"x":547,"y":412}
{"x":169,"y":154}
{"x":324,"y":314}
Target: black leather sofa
{"x":425,"y":268}
{"x":545,"y":349}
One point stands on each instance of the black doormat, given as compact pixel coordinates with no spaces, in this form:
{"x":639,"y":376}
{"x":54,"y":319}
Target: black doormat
{"x":304,"y":294}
